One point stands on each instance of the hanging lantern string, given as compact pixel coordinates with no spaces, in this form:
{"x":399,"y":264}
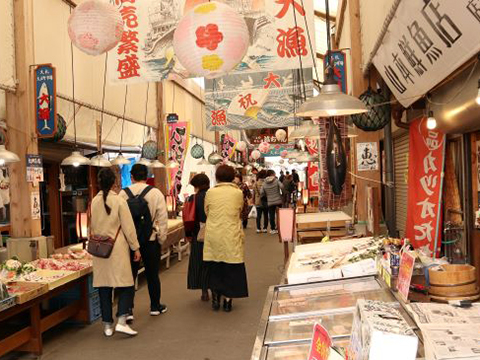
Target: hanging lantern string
{"x":123,"y":120}
{"x":103,"y":100}
{"x":312,"y":50}
{"x":146,"y":112}
{"x":73,"y":94}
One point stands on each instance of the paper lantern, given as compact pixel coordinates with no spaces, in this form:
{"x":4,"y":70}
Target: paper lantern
{"x":264,"y":147}
{"x":211,"y":40}
{"x":291,"y":161}
{"x":256,"y":155}
{"x":95,"y":27}
{"x":241,"y":146}
{"x":281,"y":161}
{"x":281,"y":135}
{"x":284,"y":154}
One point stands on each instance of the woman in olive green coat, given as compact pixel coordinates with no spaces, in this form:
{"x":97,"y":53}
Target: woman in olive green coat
{"x":224,"y":240}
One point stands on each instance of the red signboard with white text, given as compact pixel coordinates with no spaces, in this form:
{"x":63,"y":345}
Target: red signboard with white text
{"x":425,"y":183}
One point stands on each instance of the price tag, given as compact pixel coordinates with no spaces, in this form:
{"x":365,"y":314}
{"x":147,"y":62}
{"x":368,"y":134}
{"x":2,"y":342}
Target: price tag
{"x":321,"y":342}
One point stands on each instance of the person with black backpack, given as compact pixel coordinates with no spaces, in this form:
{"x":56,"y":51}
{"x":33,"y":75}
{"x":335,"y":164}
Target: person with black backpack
{"x":149,"y":212}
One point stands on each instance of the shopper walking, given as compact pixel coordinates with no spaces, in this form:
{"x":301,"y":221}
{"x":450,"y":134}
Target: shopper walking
{"x":282,"y":176}
{"x":247,"y":195}
{"x":272,"y":188}
{"x":296,"y":177}
{"x":110,"y":216}
{"x":289,"y":187}
{"x":149,"y":211}
{"x":224,"y":240}
{"x":261,"y":202}
{"x":197,"y":278}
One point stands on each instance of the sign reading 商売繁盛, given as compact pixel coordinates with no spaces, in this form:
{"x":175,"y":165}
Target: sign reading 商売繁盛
{"x":278,"y":34}
{"x":425,"y":42}
{"x":425,"y":168}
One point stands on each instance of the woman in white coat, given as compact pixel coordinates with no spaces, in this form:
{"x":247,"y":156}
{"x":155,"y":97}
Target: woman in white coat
{"x":111,"y":215}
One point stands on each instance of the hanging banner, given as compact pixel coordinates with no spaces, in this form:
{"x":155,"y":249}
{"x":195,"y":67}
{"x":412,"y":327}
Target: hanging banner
{"x":276,"y":150}
{"x":228,"y":146}
{"x":45,"y":101}
{"x":312,"y":170}
{"x":177,"y":137}
{"x":425,"y":42}
{"x":278,"y":37}
{"x":339,"y":61}
{"x":425,"y":185}
{"x":256,"y":137}
{"x":255,"y":101}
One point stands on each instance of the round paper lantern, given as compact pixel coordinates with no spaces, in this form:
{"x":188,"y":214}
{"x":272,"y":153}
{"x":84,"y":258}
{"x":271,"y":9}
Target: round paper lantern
{"x":241,"y":146}
{"x":281,"y":161}
{"x":211,"y":39}
{"x":197,"y":151}
{"x":284,"y":154}
{"x":150,"y":150}
{"x":256,"y":155}
{"x":281,"y":135}
{"x":264,"y":147}
{"x":95,"y":27}
{"x":291,"y":161}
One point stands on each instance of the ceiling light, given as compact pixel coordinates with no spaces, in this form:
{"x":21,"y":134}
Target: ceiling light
{"x":203,"y":162}
{"x":156,"y":164}
{"x":431,"y":121}
{"x":100,"y":161}
{"x":120,"y":160}
{"x":172,"y":164}
{"x":331,"y":102}
{"x":7,"y":157}
{"x":306,"y":130}
{"x":75,"y":159}
{"x":144,"y":161}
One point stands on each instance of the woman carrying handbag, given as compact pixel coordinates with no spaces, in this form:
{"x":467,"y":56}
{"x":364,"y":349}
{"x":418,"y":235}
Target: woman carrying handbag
{"x":111,"y":221}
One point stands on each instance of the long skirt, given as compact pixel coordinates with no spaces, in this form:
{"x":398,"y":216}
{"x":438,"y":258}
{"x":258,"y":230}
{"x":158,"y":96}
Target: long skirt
{"x":229,"y":280}
{"x":197,"y":269}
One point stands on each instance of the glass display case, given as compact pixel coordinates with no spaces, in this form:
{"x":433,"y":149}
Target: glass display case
{"x":291,"y":311}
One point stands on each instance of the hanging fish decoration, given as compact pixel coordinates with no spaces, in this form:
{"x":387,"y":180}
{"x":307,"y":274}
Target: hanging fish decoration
{"x":336,"y":159}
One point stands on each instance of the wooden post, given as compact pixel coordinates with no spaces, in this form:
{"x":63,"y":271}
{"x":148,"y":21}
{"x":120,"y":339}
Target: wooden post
{"x":21,"y":124}
{"x":161,"y":174}
{"x":359,"y":85}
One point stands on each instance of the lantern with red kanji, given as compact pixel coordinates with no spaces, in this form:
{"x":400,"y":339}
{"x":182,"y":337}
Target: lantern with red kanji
{"x":256,"y":155}
{"x":95,"y":27}
{"x":211,"y":39}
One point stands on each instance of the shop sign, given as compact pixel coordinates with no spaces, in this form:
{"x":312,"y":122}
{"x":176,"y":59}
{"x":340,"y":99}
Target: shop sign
{"x":339,"y":61}
{"x":407,"y":262}
{"x":313,"y":173}
{"x":266,"y":135}
{"x":228,"y":146}
{"x":45,"y":101}
{"x":262,"y":100}
{"x":321,"y":343}
{"x":177,"y":137}
{"x":425,"y":42}
{"x":34,"y":168}
{"x":172,"y":118}
{"x":35,"y":205}
{"x":425,"y":185}
{"x":367,"y":156}
{"x":276,"y":150}
{"x":278,"y":38}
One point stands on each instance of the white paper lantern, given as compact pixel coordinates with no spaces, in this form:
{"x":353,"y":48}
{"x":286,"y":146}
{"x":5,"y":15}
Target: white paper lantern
{"x":264,"y":147}
{"x":241,"y":146}
{"x":281,"y":161}
{"x":95,"y":27}
{"x":291,"y":161}
{"x":211,"y":39}
{"x":281,"y":135}
{"x":256,"y":155}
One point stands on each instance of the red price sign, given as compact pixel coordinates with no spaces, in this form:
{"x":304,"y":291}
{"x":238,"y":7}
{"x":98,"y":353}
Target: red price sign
{"x":321,"y":342}
{"x":407,"y":261}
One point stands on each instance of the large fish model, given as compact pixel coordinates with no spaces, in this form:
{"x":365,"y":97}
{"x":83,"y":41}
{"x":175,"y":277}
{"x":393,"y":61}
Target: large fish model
{"x":336,"y":159}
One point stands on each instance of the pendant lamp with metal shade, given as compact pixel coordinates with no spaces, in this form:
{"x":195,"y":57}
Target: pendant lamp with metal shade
{"x":76,"y":158}
{"x":331,"y":101}
{"x":7,"y":157}
{"x":157,"y":164}
{"x":172,"y":164}
{"x":306,"y":130}
{"x":120,"y":159}
{"x":99,"y":160}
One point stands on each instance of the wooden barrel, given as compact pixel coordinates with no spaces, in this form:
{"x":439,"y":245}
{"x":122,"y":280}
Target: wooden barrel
{"x":453,"y":281}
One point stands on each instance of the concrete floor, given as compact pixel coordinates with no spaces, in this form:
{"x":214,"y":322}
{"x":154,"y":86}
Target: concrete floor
{"x":190,"y":330}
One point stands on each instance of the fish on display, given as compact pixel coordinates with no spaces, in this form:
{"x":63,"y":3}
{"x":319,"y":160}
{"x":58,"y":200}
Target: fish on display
{"x":336,"y":159}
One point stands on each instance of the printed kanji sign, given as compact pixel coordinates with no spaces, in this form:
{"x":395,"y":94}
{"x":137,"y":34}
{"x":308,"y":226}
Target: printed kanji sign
{"x":425,"y":172}
{"x":425,"y":42}
{"x":177,"y":137}
{"x":407,"y":262}
{"x":45,"y":101}
{"x":320,"y":345}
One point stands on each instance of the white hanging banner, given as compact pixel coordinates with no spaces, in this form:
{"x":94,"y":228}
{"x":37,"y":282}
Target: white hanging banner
{"x":278,"y":37}
{"x":425,"y":42}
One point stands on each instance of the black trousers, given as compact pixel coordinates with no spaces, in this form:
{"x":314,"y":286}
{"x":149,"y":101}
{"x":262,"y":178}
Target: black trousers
{"x":125,"y":300}
{"x":151,"y":260}
{"x":262,"y":210}
{"x":272,"y":214}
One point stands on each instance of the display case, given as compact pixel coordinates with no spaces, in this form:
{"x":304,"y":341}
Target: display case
{"x":291,"y":311}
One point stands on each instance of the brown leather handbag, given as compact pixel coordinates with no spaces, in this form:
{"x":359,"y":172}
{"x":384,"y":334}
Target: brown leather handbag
{"x":101,"y":246}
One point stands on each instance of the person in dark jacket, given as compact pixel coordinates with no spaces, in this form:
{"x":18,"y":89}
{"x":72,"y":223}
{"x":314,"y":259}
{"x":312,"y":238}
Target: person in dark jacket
{"x":247,"y":195}
{"x":296,"y":178}
{"x":289,"y":187}
{"x":260,"y":203}
{"x":197,"y":270}
{"x":273,"y":189}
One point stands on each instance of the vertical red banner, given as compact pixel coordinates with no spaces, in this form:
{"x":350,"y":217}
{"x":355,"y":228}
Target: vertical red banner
{"x":313,"y":173}
{"x":425,"y":185}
